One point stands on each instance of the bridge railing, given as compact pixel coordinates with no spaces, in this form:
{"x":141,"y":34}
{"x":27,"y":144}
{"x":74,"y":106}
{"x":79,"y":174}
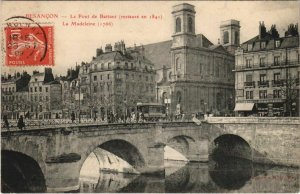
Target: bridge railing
{"x":48,"y":123}
{"x":267,"y":120}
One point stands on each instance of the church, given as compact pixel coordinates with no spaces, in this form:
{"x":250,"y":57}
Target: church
{"x":193,"y":74}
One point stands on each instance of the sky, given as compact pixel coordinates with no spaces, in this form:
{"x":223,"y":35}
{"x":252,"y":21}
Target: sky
{"x":74,"y":44}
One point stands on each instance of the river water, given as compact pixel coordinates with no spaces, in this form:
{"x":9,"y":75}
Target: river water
{"x":229,"y":175}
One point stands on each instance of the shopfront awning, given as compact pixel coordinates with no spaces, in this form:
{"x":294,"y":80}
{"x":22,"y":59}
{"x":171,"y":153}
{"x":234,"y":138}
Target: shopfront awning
{"x":244,"y":106}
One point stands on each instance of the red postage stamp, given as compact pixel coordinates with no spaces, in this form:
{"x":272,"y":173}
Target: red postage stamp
{"x":28,"y":43}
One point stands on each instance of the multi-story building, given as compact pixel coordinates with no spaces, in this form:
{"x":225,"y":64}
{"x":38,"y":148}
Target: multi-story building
{"x":267,"y":73}
{"x":15,"y":95}
{"x":115,"y":81}
{"x":45,"y":95}
{"x":68,"y":91}
{"x":193,"y":74}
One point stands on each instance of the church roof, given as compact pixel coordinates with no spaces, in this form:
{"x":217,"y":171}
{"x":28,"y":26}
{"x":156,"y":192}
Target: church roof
{"x":159,"y":53}
{"x":218,"y":48}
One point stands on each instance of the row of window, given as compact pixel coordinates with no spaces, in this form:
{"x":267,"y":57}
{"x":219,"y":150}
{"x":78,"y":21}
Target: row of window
{"x":118,"y":76}
{"x":262,"y":45}
{"x":12,"y":98}
{"x":9,"y":89}
{"x":262,"y":62}
{"x":39,"y":108}
{"x":35,"y":98}
{"x":263,"y":77}
{"x":38,"y":89}
{"x":126,"y":66}
{"x":263,"y":94}
{"x":100,"y":88}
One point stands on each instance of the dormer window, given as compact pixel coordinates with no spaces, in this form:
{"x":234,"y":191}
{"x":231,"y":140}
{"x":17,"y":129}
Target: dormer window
{"x":263,"y":45}
{"x":249,"y":47}
{"x":277,"y":43}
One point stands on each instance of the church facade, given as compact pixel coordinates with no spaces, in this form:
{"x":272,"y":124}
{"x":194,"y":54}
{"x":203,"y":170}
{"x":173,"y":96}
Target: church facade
{"x":194,"y":75}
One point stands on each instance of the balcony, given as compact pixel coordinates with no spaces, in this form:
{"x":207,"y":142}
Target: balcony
{"x":249,"y":84}
{"x":280,"y":64}
{"x":263,"y":83}
{"x":277,"y":83}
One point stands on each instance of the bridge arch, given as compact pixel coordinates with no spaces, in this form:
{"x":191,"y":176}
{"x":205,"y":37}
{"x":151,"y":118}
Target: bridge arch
{"x":181,"y":143}
{"x":230,"y":145}
{"x":119,"y":147}
{"x":21,"y":173}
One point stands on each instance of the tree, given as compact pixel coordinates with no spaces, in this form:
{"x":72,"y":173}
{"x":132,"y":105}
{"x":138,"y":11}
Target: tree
{"x":290,"y":92}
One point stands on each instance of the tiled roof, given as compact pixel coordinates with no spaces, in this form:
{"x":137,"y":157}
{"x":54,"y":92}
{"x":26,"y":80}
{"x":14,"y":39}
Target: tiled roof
{"x":110,"y":56}
{"x":159,"y":53}
{"x":292,"y":41}
{"x":38,"y":77}
{"x":285,"y":42}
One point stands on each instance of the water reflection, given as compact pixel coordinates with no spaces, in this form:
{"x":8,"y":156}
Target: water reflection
{"x":229,"y":175}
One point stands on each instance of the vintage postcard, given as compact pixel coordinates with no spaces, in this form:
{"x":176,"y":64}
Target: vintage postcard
{"x":150,"y":96}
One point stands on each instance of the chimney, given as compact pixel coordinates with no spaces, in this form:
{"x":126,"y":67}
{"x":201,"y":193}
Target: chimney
{"x":262,"y":30}
{"x":71,"y":73}
{"x":48,"y":71}
{"x":117,"y":46}
{"x":123,"y":48}
{"x":108,"y":48}
{"x":99,"y":51}
{"x":35,"y":72}
{"x":68,"y":73}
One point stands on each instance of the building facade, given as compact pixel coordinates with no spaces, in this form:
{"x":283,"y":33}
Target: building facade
{"x":198,"y":76}
{"x":14,"y":93}
{"x":44,"y":95}
{"x":114,"y":82}
{"x":267,"y":73}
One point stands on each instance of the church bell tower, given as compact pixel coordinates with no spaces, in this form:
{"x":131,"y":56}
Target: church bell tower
{"x":184,"y":25}
{"x":184,"y":38}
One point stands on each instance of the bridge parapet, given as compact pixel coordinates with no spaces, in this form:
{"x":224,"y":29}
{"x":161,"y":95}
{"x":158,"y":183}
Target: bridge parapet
{"x":251,"y":120}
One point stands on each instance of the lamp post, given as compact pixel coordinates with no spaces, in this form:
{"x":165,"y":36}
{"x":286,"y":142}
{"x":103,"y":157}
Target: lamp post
{"x":79,"y":115}
{"x":157,"y":93}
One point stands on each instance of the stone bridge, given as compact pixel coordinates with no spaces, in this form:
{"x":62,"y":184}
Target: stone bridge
{"x":53,"y":156}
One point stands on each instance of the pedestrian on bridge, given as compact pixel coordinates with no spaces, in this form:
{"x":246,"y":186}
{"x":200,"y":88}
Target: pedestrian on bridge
{"x":6,"y":124}
{"x":21,"y":124}
{"x":72,"y":117}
